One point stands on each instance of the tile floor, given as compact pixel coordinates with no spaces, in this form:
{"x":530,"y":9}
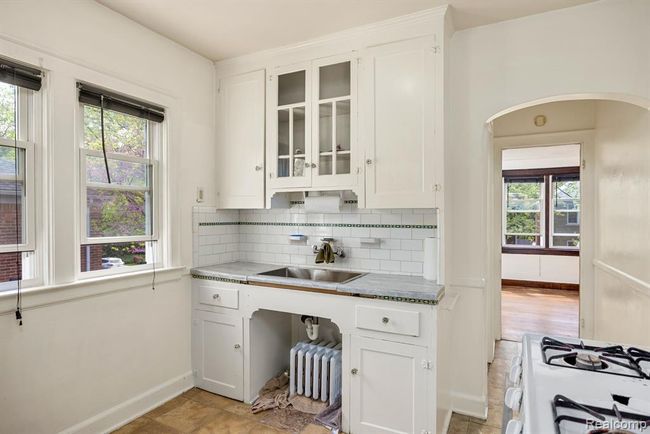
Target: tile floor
{"x":460,"y":424}
{"x":200,"y":412}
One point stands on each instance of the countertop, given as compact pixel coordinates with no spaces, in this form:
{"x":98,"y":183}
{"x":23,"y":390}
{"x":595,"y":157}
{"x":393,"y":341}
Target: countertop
{"x":379,"y":285}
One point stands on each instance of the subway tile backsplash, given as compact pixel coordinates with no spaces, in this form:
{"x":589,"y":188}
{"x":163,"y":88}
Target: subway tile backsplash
{"x":222,"y":236}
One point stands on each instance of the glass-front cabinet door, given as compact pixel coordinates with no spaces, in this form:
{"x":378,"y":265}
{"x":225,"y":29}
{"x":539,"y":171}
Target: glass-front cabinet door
{"x":334,"y":90}
{"x":312,"y":125}
{"x":290,"y":154}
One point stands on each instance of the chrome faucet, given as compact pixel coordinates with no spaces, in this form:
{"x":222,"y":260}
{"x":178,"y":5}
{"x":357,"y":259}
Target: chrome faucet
{"x":338,"y":251}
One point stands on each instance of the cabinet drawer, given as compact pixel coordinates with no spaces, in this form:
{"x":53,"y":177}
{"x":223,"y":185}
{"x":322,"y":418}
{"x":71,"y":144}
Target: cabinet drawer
{"x":222,"y":297}
{"x":401,"y":322}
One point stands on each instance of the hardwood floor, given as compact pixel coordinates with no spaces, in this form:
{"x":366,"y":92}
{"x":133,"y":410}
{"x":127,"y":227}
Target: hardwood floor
{"x":537,"y":310}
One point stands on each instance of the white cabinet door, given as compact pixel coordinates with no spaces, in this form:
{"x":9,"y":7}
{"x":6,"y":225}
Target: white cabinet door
{"x":399,"y":118}
{"x":217,"y":353}
{"x":289,"y":127}
{"x":241,"y":133}
{"x":335,"y":153}
{"x":388,"y":387}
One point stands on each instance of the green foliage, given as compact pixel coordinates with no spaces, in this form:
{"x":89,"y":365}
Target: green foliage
{"x":7,"y":111}
{"x":123,"y":134}
{"x":522,"y":223}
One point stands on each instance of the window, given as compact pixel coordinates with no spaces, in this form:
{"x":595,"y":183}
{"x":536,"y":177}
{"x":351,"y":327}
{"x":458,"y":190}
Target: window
{"x":119,"y":203}
{"x":541,"y":211}
{"x":524,"y":205}
{"x":566,"y":211}
{"x":17,"y":183}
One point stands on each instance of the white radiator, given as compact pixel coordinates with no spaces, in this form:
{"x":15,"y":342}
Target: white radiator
{"x":315,"y":370}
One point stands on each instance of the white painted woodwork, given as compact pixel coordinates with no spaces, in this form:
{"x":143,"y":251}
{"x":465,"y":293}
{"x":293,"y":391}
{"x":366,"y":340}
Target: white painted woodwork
{"x":294,"y":132}
{"x":402,"y":322}
{"x":217,"y":353}
{"x":397,"y":108}
{"x":388,"y":387}
{"x":241,"y":133}
{"x":216,"y":296}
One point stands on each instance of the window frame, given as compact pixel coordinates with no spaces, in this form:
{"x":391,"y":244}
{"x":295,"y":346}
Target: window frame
{"x":153,"y":244}
{"x":547,"y":247}
{"x":542,"y":220}
{"x":551,"y":217}
{"x":29,"y":135}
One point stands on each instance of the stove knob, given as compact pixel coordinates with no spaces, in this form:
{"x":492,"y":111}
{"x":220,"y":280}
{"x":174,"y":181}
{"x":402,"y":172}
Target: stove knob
{"x":515,"y":374}
{"x":513,"y":398}
{"x":514,"y":427}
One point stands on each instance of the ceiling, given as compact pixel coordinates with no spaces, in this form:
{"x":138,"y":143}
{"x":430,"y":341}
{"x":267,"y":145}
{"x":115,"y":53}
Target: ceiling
{"x":219,"y":29}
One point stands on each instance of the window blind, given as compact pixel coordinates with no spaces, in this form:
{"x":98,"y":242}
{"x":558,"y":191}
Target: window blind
{"x":20,"y":75}
{"x":119,"y":103}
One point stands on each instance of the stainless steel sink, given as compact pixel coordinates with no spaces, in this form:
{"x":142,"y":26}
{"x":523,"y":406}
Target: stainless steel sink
{"x":333,"y":276}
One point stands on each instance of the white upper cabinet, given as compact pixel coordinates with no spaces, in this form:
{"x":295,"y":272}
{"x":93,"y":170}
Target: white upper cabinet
{"x":289,"y":127}
{"x":398,"y":115}
{"x":311,"y":120}
{"x":240,"y":132}
{"x":334,"y":144}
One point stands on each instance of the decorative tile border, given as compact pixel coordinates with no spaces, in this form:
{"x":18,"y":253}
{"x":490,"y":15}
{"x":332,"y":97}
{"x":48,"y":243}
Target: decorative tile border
{"x":326,"y":225}
{"x":404,"y":300}
{"x":302,"y":202}
{"x":219,"y":279}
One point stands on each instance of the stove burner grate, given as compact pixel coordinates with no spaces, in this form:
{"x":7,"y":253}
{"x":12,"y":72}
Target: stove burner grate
{"x":594,"y":416}
{"x":591,"y":358}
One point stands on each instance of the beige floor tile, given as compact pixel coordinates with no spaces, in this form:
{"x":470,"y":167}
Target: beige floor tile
{"x":475,"y":428}
{"x":188,"y":416}
{"x":168,"y":406}
{"x":144,"y":425}
{"x":212,"y":400}
{"x":494,"y":418}
{"x":458,"y":424}
{"x":315,"y":429}
{"x":229,"y":423}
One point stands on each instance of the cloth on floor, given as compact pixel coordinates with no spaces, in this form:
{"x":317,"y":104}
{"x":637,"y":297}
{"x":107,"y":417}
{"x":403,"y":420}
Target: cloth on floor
{"x":331,"y":416}
{"x":287,"y":419}
{"x":274,"y":394}
{"x":307,"y":405}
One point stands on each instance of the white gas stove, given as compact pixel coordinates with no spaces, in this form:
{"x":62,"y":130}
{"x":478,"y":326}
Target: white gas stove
{"x":571,"y":386}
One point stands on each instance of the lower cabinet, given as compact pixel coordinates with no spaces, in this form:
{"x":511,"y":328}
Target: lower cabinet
{"x":388,"y":387}
{"x":218,"y":354}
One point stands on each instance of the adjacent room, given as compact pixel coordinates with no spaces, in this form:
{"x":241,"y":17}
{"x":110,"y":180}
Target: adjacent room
{"x":333,"y":216}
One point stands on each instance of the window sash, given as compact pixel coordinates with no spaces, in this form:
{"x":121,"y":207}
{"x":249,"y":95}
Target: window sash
{"x":552,"y":179}
{"x":540,"y":212}
{"x":28,"y":213}
{"x":153,"y":189}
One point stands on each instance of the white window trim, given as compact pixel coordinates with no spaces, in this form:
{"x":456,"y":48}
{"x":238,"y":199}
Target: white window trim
{"x":155,"y":139}
{"x":504,"y":221}
{"x":551,"y":244}
{"x":29,"y":209}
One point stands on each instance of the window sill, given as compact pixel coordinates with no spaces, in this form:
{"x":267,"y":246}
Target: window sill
{"x":539,"y":251}
{"x":47,"y":295}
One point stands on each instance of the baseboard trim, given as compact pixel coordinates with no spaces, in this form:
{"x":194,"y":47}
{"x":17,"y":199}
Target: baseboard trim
{"x":545,"y":285}
{"x":123,"y":413}
{"x":469,"y":405}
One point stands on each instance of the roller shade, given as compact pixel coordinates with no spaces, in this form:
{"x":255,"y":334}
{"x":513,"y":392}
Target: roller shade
{"x":112,"y":101}
{"x":20,"y":75}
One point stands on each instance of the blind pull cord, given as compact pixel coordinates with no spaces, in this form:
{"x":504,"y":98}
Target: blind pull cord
{"x":101,"y":111}
{"x":19,"y":301}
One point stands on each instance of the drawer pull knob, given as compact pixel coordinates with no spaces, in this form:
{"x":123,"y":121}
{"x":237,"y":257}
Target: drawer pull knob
{"x":216,"y":296}
{"x":237,"y":346}
{"x":354,"y":371}
{"x":385,"y":320}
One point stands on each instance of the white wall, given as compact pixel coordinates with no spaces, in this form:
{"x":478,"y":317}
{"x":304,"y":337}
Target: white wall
{"x":541,"y":268}
{"x":560,"y":116}
{"x":71,"y":361}
{"x":593,"y":48}
{"x":622,"y":151}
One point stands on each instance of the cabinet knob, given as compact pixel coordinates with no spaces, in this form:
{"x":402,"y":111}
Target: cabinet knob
{"x":368,"y":161}
{"x":216,"y":296}
{"x":385,"y":320}
{"x":258,"y":168}
{"x":354,"y":371}
{"x":237,"y":346}
{"x":313,"y":165}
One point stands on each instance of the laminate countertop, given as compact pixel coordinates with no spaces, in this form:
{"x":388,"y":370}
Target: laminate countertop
{"x":414,"y":289}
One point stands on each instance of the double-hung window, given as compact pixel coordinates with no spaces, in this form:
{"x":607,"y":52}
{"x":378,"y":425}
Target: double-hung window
{"x":119,"y":158}
{"x":541,"y":211}
{"x":18,"y":87}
